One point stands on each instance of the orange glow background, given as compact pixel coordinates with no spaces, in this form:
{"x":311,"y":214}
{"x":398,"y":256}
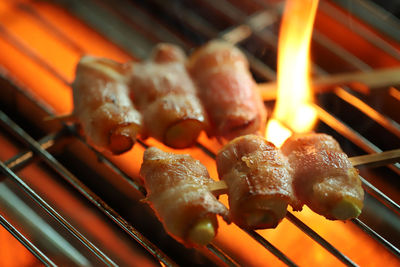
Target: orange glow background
{"x":56,"y":94}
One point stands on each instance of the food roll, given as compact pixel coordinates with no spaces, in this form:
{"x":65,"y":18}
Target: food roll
{"x":166,"y":53}
{"x":324,"y":178}
{"x":227,"y":90}
{"x":167,"y":97}
{"x":259,"y":181}
{"x":103,"y":106}
{"x":177,"y":187}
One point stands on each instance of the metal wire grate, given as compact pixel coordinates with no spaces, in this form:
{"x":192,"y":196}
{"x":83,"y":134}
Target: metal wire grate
{"x":252,"y":26}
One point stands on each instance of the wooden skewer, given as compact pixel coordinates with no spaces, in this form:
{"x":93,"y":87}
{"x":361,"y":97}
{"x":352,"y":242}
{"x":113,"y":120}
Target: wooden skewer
{"x":64,"y":117}
{"x":364,"y":80}
{"x":218,"y":188}
{"x":376,"y":159}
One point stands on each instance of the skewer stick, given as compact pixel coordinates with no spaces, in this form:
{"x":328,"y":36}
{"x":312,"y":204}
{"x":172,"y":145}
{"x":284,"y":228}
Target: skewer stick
{"x":63,"y":117}
{"x":376,"y":159}
{"x":218,"y":188}
{"x":369,"y":79}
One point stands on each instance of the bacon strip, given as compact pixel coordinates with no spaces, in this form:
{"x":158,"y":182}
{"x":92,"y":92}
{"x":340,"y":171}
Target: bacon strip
{"x":227,"y":90}
{"x":167,"y":97}
{"x":324,"y":178}
{"x":178,"y":192}
{"x":102,"y":105}
{"x":258,"y":179}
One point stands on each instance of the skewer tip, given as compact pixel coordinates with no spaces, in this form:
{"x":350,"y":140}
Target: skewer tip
{"x":62,"y":117}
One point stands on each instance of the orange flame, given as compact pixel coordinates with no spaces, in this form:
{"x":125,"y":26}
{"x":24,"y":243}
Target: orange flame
{"x":294,"y":110}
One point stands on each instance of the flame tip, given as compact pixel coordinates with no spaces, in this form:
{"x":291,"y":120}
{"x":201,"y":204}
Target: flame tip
{"x":294,"y":111}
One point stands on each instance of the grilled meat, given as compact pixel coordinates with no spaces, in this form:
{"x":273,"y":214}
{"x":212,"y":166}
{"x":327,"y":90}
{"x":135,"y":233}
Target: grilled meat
{"x":178,"y":192}
{"x":103,"y":107}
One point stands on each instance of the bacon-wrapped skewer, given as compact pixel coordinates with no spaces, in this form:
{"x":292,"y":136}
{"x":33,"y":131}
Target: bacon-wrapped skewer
{"x":167,"y":97}
{"x":258,"y":179}
{"x":227,"y":90}
{"x":102,"y":105}
{"x":177,"y":187}
{"x":324,"y":178}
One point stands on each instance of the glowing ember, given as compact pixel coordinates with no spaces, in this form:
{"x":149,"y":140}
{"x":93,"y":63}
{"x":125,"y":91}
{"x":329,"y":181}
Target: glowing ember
{"x":294,"y":97}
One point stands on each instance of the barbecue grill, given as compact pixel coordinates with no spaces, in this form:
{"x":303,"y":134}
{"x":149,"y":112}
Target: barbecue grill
{"x":69,"y":204}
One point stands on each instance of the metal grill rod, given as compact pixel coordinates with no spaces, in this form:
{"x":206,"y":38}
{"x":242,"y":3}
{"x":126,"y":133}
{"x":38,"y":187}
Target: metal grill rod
{"x":116,"y":29}
{"x":271,"y":39}
{"x":36,"y":227}
{"x":270,"y":247}
{"x":26,"y":242}
{"x":222,"y":255}
{"x":374,"y":14}
{"x":255,"y":27}
{"x":49,"y":27}
{"x":10,"y":174}
{"x":389,"y":124}
{"x":133,"y":182}
{"x":364,"y":33}
{"x":351,"y":134}
{"x":380,"y":195}
{"x":30,"y":53}
{"x":144,"y":22}
{"x":377,"y":237}
{"x":20,"y":160}
{"x":311,"y":233}
{"x":339,"y":51}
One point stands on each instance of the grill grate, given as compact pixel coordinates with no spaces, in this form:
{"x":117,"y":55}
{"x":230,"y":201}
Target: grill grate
{"x":253,"y":26}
